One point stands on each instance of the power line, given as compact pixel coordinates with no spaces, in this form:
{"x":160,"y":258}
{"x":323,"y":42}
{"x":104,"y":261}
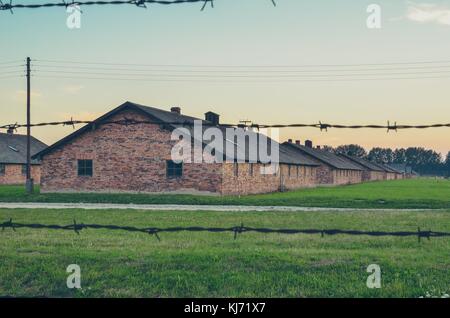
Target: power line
{"x":183,"y":70}
{"x":246,"y":81}
{"x":246,"y":75}
{"x":246,"y":66}
{"x":10,"y":62}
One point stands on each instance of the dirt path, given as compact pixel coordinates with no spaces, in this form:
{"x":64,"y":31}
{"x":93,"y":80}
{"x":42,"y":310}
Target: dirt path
{"x":177,"y":207}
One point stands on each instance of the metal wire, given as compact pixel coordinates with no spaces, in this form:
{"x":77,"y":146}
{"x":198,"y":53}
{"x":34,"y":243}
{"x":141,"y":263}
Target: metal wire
{"x":322,"y":126}
{"x":77,"y":227}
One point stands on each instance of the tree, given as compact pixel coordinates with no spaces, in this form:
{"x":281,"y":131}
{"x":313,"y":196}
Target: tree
{"x":381,"y":155}
{"x":352,"y":150}
{"x":399,"y":155}
{"x":328,"y":148}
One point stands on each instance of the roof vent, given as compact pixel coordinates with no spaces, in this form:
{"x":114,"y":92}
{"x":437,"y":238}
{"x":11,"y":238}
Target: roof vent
{"x":308,"y":143}
{"x":290,"y":141}
{"x":176,"y":110}
{"x":297,"y":142}
{"x":212,"y":117}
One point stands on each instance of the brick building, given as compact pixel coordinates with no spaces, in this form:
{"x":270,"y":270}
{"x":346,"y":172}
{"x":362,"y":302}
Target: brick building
{"x":371,"y":171}
{"x":13,"y":158}
{"x":110,"y":157}
{"x":389,"y":173}
{"x":333,"y":169}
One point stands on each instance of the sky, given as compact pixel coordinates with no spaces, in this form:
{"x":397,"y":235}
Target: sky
{"x":302,"y":41}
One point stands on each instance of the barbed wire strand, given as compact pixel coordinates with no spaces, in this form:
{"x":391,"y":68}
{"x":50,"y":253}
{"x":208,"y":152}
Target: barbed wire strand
{"x":78,"y":227}
{"x":322,"y":126}
{"x":138,"y":3}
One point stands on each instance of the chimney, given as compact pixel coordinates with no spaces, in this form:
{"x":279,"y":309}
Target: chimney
{"x":176,"y":110}
{"x":297,"y":142}
{"x":290,"y":141}
{"x":318,"y":147}
{"x":212,"y":117}
{"x":10,"y":131}
{"x":308,"y":143}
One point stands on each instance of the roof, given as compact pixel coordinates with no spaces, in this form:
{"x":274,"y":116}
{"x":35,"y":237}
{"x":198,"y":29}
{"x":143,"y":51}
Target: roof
{"x":402,"y":167}
{"x":365,"y":163}
{"x":13,"y":148}
{"x":327,"y":157}
{"x":386,"y":168}
{"x":169,"y":118}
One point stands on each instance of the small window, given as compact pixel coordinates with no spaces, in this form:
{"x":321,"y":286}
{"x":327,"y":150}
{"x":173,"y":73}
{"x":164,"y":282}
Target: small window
{"x":24,"y":170}
{"x":236,"y":169}
{"x":2,"y":169}
{"x":174,"y":170}
{"x":289,"y":171}
{"x":85,"y":168}
{"x":250,"y":169}
{"x":298,"y":171}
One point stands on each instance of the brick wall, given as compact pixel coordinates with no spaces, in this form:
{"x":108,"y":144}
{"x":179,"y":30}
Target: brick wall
{"x":125,"y":159}
{"x":13,"y":174}
{"x":248,"y":182}
{"x":346,"y":176}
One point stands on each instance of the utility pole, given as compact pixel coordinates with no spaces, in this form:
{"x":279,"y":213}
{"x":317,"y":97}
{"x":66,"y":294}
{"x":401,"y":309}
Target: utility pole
{"x":29,"y":183}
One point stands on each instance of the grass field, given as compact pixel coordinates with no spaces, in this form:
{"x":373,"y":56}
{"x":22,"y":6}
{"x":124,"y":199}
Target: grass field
{"x":412,"y":193}
{"x":125,"y":264}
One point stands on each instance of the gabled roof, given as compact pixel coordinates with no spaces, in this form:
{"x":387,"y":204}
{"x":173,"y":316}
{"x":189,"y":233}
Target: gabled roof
{"x":326,"y":157}
{"x":13,"y":148}
{"x":402,"y":167}
{"x":386,"y":168}
{"x":174,"y":120}
{"x":365,"y":163}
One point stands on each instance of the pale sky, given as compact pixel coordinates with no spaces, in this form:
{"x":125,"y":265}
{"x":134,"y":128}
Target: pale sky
{"x":240,"y":33}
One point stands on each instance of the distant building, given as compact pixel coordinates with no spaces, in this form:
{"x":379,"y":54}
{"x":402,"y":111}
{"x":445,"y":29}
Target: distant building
{"x":406,"y":170}
{"x":13,"y":158}
{"x":333,"y":169}
{"x":371,"y":172}
{"x":389,"y":173}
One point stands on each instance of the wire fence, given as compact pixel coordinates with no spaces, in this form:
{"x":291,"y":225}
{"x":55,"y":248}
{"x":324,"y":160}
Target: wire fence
{"x":155,"y":231}
{"x":137,"y":3}
{"x":322,"y":126}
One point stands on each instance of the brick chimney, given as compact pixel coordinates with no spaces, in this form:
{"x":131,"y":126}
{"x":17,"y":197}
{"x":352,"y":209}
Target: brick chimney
{"x":212,"y":117}
{"x":297,"y":142}
{"x":176,"y":110}
{"x":290,"y":141}
{"x":318,"y":147}
{"x":308,"y":143}
{"x":10,"y":131}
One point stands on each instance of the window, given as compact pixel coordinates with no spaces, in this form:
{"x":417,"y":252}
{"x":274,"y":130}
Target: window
{"x":174,"y":170}
{"x":85,"y":167}
{"x":250,"y":169}
{"x":298,"y":171}
{"x":2,"y":169}
{"x":236,"y":169}
{"x":24,"y":170}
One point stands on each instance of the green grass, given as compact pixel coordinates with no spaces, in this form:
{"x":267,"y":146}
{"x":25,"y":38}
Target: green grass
{"x":126,"y":264}
{"x":412,"y":193}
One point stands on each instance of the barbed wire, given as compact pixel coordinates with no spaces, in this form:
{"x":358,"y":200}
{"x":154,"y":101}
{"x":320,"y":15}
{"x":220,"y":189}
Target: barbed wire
{"x":138,"y":3}
{"x":322,"y":126}
{"x":78,"y":227}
